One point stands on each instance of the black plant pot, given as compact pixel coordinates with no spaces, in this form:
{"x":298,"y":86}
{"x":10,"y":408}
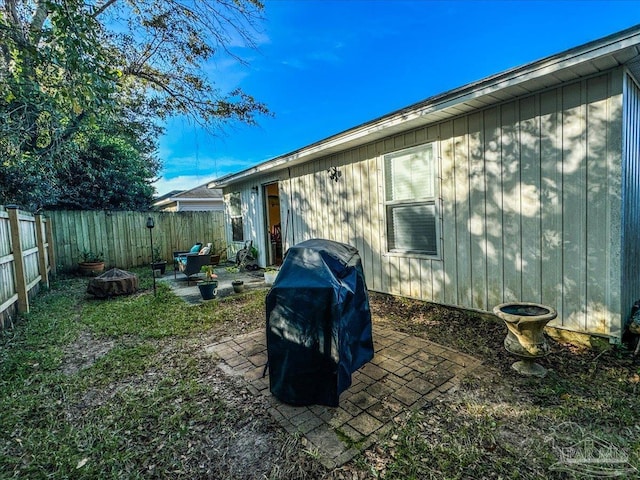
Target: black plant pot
{"x":238,"y":286}
{"x":162,"y":266}
{"x":208,"y":290}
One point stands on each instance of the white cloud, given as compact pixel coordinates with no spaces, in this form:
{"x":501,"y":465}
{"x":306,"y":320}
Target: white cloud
{"x":294,"y":63}
{"x":183,"y":182}
{"x":226,"y":72}
{"x":229,"y":165}
{"x":217,"y":168}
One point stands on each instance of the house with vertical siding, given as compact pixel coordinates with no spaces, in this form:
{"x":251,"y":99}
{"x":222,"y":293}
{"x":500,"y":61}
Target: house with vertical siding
{"x":197,"y":199}
{"x":521,"y":186}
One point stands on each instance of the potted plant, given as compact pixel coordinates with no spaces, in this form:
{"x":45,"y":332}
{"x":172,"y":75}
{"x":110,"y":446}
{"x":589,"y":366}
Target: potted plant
{"x":208,"y":286}
{"x":270,"y":275}
{"x":157,"y":263}
{"x":91,"y":263}
{"x":238,"y":286}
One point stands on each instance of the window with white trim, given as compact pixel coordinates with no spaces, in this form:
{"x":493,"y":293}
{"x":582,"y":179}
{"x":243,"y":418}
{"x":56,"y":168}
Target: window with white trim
{"x":235,"y":213}
{"x":410,"y":200}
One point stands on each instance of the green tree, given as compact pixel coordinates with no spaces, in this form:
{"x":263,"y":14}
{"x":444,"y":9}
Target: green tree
{"x":110,"y":174}
{"x":67,"y":66}
{"x":49,"y":87}
{"x":111,"y":169}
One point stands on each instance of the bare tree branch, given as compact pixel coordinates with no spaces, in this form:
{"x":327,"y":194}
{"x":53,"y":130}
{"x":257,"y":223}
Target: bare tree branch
{"x":11,"y":7}
{"x":39,"y":17}
{"x":99,"y":10}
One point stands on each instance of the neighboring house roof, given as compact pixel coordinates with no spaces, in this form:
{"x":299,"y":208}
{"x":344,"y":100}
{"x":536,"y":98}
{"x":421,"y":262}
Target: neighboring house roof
{"x":200,"y":192}
{"x":197,"y":194}
{"x":161,"y":198}
{"x":614,"y":50}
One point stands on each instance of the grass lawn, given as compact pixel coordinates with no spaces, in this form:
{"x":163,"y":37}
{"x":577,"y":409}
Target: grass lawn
{"x":123,"y":389}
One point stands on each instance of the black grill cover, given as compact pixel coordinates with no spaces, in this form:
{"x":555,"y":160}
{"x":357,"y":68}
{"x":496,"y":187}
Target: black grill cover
{"x":318,"y":323}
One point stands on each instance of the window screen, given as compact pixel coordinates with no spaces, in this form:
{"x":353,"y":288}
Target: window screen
{"x":235,"y":213}
{"x":236,"y":229}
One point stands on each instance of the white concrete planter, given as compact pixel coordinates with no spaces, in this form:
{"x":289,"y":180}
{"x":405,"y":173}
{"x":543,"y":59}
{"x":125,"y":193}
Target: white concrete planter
{"x":270,"y":277}
{"x":525,"y":333}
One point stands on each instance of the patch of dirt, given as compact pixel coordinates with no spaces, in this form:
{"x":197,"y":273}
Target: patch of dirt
{"x":246,"y":445}
{"x":84,"y":352}
{"x":482,"y":336}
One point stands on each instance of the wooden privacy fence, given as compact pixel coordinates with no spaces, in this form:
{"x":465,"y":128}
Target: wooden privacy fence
{"x":26,"y":259}
{"x":123,"y":239}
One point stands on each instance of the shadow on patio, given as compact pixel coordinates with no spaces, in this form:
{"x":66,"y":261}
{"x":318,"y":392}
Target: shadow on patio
{"x":406,"y":373}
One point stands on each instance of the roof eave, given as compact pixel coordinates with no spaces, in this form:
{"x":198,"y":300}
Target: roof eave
{"x":162,"y":202}
{"x":204,"y":199}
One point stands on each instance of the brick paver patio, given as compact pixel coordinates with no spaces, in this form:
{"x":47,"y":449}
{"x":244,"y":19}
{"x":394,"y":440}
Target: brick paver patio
{"x":406,"y":373}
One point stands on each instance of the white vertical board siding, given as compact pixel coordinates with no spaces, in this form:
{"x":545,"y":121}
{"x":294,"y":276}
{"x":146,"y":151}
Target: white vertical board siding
{"x":630,"y":257}
{"x":462,"y":211}
{"x":477,"y":214}
{"x":285,"y":212}
{"x":513,"y":213}
{"x":448,"y":210}
{"x":307,"y":184}
{"x":528,"y":200}
{"x":574,"y":225}
{"x":375,"y":222}
{"x":527,"y":159}
{"x":538,"y":183}
{"x":494,"y":221}
{"x":550,"y":137}
{"x":615,"y":191}
{"x":597,"y":287}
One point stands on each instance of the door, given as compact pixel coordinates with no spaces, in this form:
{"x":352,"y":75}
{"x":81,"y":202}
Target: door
{"x":271,"y":195}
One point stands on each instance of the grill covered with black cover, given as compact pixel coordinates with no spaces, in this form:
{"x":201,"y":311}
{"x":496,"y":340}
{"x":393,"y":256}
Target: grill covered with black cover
{"x":318,"y":323}
{"x":113,"y":282}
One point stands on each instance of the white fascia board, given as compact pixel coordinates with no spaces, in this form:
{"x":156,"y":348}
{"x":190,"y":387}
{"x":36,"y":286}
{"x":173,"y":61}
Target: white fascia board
{"x":162,"y":202}
{"x":205,"y":199}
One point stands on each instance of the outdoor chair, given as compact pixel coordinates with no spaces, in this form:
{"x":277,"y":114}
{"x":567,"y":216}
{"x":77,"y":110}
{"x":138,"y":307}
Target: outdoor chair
{"x":179,"y":256}
{"x":191,"y":263}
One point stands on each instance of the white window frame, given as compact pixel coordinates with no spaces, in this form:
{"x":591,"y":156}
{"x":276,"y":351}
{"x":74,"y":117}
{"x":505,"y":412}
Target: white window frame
{"x":429,"y":200}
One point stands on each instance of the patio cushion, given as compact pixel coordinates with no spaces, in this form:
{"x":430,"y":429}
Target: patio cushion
{"x":179,"y":256}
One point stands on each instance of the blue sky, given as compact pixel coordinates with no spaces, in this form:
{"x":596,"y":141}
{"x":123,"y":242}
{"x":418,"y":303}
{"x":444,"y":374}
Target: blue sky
{"x":323,"y":66}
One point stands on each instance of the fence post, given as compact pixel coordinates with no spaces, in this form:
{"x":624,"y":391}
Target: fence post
{"x":18,"y":259}
{"x":42,"y":252}
{"x":48,"y":224}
